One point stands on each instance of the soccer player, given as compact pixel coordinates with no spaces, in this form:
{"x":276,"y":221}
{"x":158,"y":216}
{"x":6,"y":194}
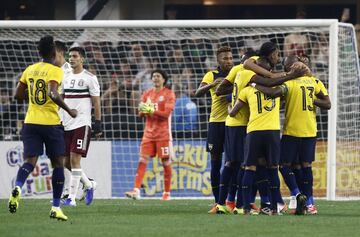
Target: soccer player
{"x":81,"y":90}
{"x":299,"y":132}
{"x":262,"y":140}
{"x":42,"y":123}
{"x":156,"y":106}
{"x":60,"y":61}
{"x":219,"y":104}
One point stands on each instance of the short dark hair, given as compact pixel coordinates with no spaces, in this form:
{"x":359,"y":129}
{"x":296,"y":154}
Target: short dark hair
{"x":267,"y":48}
{"x":78,"y":49}
{"x":46,"y":47}
{"x":223,"y":49}
{"x":163,"y":74}
{"x":60,"y":46}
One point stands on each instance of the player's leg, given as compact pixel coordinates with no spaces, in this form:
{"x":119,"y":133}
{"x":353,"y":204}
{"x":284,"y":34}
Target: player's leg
{"x":306,"y":157}
{"x":289,"y":150}
{"x":252,"y":152}
{"x":75,"y":179}
{"x":272,"y":144}
{"x":67,"y":170}
{"x":234,"y":150}
{"x":262,"y":185}
{"x":33,"y":147}
{"x":67,"y":182}
{"x":296,"y":168}
{"x":215,"y":131}
{"x":164,"y":151}
{"x":88,"y":185}
{"x":55,"y":150}
{"x":231,"y":196}
{"x":147,"y":150}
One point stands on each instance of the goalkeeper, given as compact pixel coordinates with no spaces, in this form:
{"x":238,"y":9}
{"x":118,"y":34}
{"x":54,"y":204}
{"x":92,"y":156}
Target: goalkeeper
{"x":156,"y":106}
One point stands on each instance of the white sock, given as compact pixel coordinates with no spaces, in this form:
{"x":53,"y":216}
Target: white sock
{"x":85,"y":180}
{"x":67,"y":181}
{"x":75,"y":181}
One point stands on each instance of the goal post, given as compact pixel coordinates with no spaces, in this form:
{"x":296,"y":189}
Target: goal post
{"x":122,"y":53}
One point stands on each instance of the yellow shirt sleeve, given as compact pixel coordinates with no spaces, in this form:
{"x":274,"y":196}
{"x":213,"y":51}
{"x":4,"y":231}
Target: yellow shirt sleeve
{"x":322,"y":87}
{"x":233,"y":72}
{"x":208,"y":78}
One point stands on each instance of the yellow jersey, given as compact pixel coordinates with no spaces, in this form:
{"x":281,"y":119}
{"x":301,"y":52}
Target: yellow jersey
{"x":234,"y":70}
{"x":219,"y":104}
{"x":42,"y":110}
{"x":300,"y":111}
{"x":264,"y":111}
{"x":242,"y":79}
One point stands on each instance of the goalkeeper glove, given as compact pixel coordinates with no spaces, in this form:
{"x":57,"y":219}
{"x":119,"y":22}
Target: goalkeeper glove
{"x":147,"y":108}
{"x":97,"y":128}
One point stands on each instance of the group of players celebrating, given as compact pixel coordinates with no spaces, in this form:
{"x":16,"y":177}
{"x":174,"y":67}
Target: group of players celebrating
{"x":244,"y":122}
{"x":248,"y":130}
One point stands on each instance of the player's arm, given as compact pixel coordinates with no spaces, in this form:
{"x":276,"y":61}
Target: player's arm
{"x":20,"y":92}
{"x":322,"y":101}
{"x":207,"y":83}
{"x":142,"y":102}
{"x":205,"y":87}
{"x":250,"y":64}
{"x":224,"y":88}
{"x":273,"y":92}
{"x":56,"y":97}
{"x":94,"y":89}
{"x":294,"y":73}
{"x":97,"y":127}
{"x":236,"y":108}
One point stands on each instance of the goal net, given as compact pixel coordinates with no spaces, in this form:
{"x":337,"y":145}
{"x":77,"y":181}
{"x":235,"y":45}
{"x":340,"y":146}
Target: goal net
{"x":123,"y":53}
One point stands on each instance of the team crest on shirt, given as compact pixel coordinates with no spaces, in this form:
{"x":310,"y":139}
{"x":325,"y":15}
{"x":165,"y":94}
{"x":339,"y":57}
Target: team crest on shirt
{"x":81,"y":82}
{"x":161,"y":98}
{"x":210,"y":146}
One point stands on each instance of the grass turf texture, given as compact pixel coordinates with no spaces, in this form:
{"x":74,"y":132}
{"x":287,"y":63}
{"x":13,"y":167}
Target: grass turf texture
{"x":171,"y":219}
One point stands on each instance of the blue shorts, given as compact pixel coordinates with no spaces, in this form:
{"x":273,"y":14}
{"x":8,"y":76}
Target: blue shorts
{"x":34,"y":137}
{"x":234,"y":143}
{"x":262,"y":144}
{"x":297,"y":149}
{"x":216,"y":138}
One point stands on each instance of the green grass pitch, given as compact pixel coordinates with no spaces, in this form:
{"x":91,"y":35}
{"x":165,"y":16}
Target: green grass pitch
{"x":119,"y":217}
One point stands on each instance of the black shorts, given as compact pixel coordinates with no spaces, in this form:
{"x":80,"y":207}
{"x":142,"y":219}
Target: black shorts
{"x":34,"y":137}
{"x":234,"y":143}
{"x":262,"y":144}
{"x":216,"y":138}
{"x":297,"y":149}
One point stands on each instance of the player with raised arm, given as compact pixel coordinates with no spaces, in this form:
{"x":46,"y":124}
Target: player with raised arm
{"x":299,"y":132}
{"x":216,"y":129}
{"x":82,"y":91}
{"x":42,"y":123}
{"x":262,"y":141}
{"x":156,"y":106}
